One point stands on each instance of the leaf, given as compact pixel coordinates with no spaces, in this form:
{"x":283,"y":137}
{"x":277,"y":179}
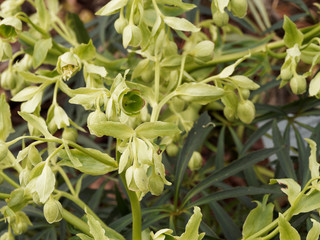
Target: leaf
{"x":91,"y":68}
{"x":178,"y":3}
{"x":45,"y":183}
{"x":151,"y":130}
{"x":219,"y":160}
{"x":181,"y":24}
{"x":31,"y":77}
{"x":44,"y":17}
{"x":244,"y":82}
{"x":233,"y":168}
{"x":195,"y":138}
{"x":233,"y":192}
{"x":5,"y":118}
{"x":291,"y":189}
{"x":228,"y":71}
{"x":84,"y":236}
{"x":25,"y":94}
{"x":199,"y":92}
{"x":314,"y":231}
{"x":283,"y":155}
{"x":37,"y":123}
{"x":313,"y":164}
{"x":89,"y":164}
{"x":95,"y":228}
{"x":308,"y":203}
{"x":192,"y":226}
{"x":112,"y":7}
{"x":229,"y":228}
{"x":86,"y":51}
{"x":292,"y":34}
{"x":258,"y":218}
{"x":40,"y":51}
{"x":75,"y":23}
{"x":287,"y":232}
{"x":109,"y":128}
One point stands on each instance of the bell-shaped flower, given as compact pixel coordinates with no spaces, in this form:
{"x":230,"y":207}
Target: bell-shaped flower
{"x":10,"y":27}
{"x":68,"y":65}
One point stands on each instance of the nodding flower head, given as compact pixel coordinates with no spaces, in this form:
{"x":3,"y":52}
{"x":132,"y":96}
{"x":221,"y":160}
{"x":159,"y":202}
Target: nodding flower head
{"x":68,"y":65}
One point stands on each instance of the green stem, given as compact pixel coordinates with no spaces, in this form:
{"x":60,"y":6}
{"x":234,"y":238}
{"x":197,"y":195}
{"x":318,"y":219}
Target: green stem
{"x":99,"y":157}
{"x":135,"y":209}
{"x":76,"y":222}
{"x":110,"y":232}
{"x":4,"y":195}
{"x":9,"y":180}
{"x":66,"y":179}
{"x":134,"y":202}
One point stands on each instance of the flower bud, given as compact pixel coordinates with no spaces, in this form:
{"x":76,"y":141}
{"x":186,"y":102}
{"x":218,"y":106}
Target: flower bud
{"x":9,"y":28}
{"x":314,"y":86}
{"x":7,"y":236}
{"x":195,"y":162}
{"x":68,"y":65}
{"x":172,"y":149}
{"x":94,"y":118}
{"x":203,"y":50}
{"x":52,"y":211}
{"x":10,"y":7}
{"x":3,"y":150}
{"x":70,"y":134}
{"x":246,"y":111}
{"x":286,"y":73}
{"x":20,"y":223}
{"x":156,"y":184}
{"x":229,"y":113}
{"x":8,"y":79}
{"x":298,"y":84}
{"x":120,"y":24}
{"x":132,"y":36}
{"x":245,"y":93}
{"x":239,"y":7}
{"x":220,"y":18}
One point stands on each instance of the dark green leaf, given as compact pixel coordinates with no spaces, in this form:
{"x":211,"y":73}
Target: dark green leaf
{"x":283,"y":155}
{"x":229,"y":228}
{"x":194,"y":140}
{"x":75,"y":23}
{"x":233,"y":168}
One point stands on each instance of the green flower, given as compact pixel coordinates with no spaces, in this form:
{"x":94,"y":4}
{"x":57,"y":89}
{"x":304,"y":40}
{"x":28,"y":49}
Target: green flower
{"x":10,"y":27}
{"x":68,"y":65}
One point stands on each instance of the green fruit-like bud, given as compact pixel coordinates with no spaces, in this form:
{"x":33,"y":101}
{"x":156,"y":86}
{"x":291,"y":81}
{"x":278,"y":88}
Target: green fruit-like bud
{"x":220,"y":18}
{"x":246,"y":111}
{"x":7,"y":236}
{"x":132,"y":36}
{"x":120,"y":24}
{"x":203,"y":50}
{"x":21,"y":223}
{"x":298,"y":84}
{"x":239,"y":7}
{"x":68,"y":65}
{"x":3,"y":150}
{"x":94,"y":118}
{"x":10,"y":27}
{"x":52,"y":211}
{"x":229,"y":113}
{"x":245,"y":93}
{"x":195,"y":162}
{"x":70,"y":134}
{"x":172,"y":150}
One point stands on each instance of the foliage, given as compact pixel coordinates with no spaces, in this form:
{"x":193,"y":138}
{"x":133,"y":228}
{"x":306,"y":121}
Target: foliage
{"x":163,"y":129}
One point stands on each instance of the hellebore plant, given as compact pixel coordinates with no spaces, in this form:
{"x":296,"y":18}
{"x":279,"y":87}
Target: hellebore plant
{"x":146,"y":104}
